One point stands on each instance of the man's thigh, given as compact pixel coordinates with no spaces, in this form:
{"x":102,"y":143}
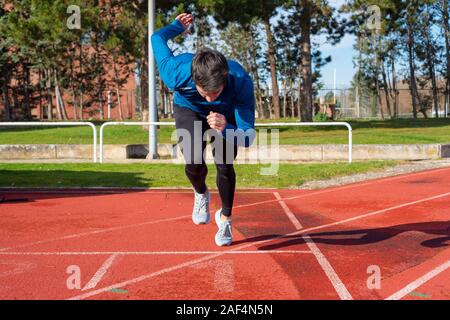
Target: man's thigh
{"x":190,"y":130}
{"x":224,"y":152}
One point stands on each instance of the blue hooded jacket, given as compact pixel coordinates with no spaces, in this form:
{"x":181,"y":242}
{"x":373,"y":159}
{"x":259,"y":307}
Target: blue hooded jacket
{"x":236,"y":101}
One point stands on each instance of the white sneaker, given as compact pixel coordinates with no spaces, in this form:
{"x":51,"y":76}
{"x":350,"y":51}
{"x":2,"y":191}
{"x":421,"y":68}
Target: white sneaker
{"x":200,"y":213}
{"x":224,"y":236}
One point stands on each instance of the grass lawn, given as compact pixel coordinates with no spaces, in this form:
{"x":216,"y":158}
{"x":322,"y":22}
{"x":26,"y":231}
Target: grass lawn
{"x":170,"y":175}
{"x":402,"y":131}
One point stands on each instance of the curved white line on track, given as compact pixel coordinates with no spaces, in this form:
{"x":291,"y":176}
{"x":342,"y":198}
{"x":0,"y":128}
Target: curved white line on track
{"x":419,"y":282}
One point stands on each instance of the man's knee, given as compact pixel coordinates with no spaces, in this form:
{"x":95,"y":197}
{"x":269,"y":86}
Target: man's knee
{"x":225,"y":170}
{"x":195,"y":170}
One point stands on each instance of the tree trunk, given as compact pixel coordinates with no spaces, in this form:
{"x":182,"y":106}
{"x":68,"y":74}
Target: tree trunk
{"x":73,"y":87}
{"x":377,"y":68}
{"x":58,"y":106}
{"x":394,"y":84}
{"x":358,"y":87}
{"x":144,"y":103}
{"x":430,"y":57}
{"x":284,"y":97}
{"x":116,"y":77}
{"x":259,"y":102}
{"x":386,"y":91}
{"x":119,"y":102}
{"x":446,"y":26}
{"x":62,"y":104}
{"x":128,"y":105}
{"x":434,"y":86}
{"x":15,"y":98}
{"x":273,"y":67}
{"x":74,"y":99}
{"x":41,"y":108}
{"x":306,"y":89}
{"x":291,"y":88}
{"x":412,"y":70}
{"x":101,"y":102}
{"x":299,"y":93}
{"x":60,"y":109}
{"x":81,"y":78}
{"x":27,"y":105}
{"x":7,"y":111}
{"x":49,"y":95}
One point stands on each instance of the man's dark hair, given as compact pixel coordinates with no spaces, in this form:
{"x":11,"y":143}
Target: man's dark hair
{"x":209,"y":69}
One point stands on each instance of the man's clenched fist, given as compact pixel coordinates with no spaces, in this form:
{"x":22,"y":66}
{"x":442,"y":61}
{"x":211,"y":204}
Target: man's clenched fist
{"x":216,"y":121}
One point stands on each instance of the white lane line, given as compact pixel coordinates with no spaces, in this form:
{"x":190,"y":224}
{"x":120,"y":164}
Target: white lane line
{"x":100,"y":273}
{"x":288,"y":212}
{"x":144,"y":277}
{"x":156,"y":253}
{"x":351,"y":186}
{"x":213,"y":256}
{"x":373,"y":213}
{"x":79,"y":235}
{"x":420,"y":281}
{"x":326,"y":266}
{"x":130,"y":191}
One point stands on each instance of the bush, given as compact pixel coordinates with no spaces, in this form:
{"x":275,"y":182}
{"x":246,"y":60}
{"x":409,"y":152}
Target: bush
{"x":321,"y":117}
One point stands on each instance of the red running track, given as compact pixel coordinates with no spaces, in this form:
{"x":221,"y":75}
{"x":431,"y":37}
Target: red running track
{"x":381,"y":239}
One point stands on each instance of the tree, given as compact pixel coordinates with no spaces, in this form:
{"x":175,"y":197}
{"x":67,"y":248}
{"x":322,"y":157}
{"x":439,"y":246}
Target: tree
{"x":313,"y":18}
{"x":244,"y":45}
{"x":443,"y":11}
{"x":6,"y":66}
{"x":427,"y":52}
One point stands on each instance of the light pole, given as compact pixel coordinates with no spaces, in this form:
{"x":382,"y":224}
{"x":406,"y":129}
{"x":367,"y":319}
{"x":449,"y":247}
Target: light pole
{"x":153,"y":112}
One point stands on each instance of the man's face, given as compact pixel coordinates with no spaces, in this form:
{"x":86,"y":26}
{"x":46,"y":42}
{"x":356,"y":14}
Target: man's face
{"x":209,"y":96}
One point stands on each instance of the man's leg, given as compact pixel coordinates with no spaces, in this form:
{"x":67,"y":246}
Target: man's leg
{"x":224,"y":153}
{"x":224,"y":156}
{"x":190,"y":129}
{"x":226,"y":176}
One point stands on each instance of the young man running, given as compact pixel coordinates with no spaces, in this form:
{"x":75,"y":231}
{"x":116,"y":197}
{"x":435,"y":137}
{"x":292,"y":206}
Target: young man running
{"x":210,"y":92}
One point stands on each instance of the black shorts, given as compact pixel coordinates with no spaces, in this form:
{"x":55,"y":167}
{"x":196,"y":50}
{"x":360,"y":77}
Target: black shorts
{"x":193,"y":133}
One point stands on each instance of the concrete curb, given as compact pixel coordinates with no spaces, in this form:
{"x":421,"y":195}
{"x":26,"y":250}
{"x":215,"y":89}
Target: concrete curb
{"x":285,"y":153}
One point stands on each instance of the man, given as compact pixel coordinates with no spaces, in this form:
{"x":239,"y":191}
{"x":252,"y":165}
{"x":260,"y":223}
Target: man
{"x":210,"y":93}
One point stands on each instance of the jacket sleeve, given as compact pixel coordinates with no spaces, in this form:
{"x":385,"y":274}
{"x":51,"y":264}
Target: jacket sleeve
{"x":168,"y":64}
{"x":243,"y":134}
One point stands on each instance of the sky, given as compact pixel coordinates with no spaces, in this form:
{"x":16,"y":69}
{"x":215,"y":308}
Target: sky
{"x":342,"y":61}
{"x":342,"y":56}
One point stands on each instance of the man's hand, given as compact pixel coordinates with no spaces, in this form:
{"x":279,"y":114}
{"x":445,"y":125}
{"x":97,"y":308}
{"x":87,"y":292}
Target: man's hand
{"x":186,"y":19}
{"x":216,"y":121}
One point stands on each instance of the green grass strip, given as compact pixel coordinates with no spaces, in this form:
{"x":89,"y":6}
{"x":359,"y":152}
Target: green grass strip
{"x":171,"y":175}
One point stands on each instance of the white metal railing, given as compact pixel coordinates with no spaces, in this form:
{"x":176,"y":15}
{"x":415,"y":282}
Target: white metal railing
{"x":317,"y":124}
{"x":58,"y":124}
{"x":106,"y":124}
{"x":277,"y":124}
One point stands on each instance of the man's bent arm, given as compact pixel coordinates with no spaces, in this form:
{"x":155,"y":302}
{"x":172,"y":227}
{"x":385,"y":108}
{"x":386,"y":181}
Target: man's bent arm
{"x":244,"y":115}
{"x":167,"y":62}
